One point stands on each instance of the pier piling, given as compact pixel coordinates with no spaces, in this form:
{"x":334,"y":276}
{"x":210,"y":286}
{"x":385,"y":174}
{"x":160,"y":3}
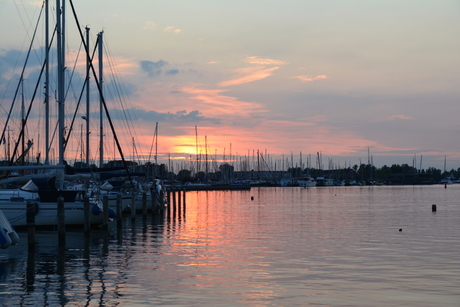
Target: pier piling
{"x":119,"y":211}
{"x":133,"y":205}
{"x":61,"y":220}
{"x":144,"y":204}
{"x":105,"y":212}
{"x":87,"y":212}
{"x":30,"y":219}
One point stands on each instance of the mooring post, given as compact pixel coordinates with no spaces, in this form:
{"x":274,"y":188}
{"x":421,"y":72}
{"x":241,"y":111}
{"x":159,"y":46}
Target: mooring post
{"x":119,"y":211}
{"x":144,"y":204}
{"x":179,"y":200}
{"x":105,"y":212}
{"x":133,"y":205}
{"x":61,"y":220}
{"x":152,"y":201}
{"x":87,"y":213}
{"x":30,"y":219}
{"x":168,"y":198}
{"x":174,"y":200}
{"x":183,"y":201}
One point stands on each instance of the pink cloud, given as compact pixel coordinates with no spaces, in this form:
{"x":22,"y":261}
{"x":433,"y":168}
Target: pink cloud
{"x":216,"y":103}
{"x":249,"y":74}
{"x":399,"y":116}
{"x":259,"y":61}
{"x":306,"y":78}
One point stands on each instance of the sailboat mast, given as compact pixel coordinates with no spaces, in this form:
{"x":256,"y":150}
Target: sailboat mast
{"x":87,"y":96}
{"x":47,"y":88}
{"x":61,"y":66}
{"x":101,"y":127}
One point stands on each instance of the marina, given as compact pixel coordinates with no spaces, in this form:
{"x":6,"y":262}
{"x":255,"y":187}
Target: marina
{"x":269,"y":246}
{"x":223,"y":203}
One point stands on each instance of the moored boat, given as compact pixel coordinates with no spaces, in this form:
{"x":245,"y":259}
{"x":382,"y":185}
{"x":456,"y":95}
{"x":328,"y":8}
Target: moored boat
{"x":8,"y":235}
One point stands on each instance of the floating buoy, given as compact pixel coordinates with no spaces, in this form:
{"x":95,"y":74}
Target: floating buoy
{"x":433,"y":208}
{"x":400,"y":229}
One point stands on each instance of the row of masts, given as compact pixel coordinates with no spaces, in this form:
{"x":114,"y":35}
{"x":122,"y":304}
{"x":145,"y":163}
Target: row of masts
{"x":60,"y":31}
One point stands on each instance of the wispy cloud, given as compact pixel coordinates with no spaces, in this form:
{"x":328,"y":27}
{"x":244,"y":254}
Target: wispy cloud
{"x":249,"y":74}
{"x":253,"y":73}
{"x":172,"y":29}
{"x":150,"y":25}
{"x":260,"y":61}
{"x":217,"y":104}
{"x":399,"y":117}
{"x":307,"y":78}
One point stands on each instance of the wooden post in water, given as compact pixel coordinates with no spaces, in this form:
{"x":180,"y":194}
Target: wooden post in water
{"x":144,"y":204}
{"x":87,"y":213}
{"x":179,"y":201}
{"x":119,"y":211}
{"x":30,"y":219}
{"x":174,"y":200}
{"x":61,"y":220}
{"x":105,"y":212}
{"x":133,"y":205}
{"x":168,"y":198}
{"x":184,"y":200}
{"x":154,"y":196}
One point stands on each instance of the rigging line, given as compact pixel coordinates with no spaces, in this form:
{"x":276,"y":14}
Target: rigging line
{"x":72,"y":74}
{"x":75,"y":114}
{"x":79,"y":98}
{"x":153,"y":142}
{"x":121,"y":90}
{"x":21,"y":134}
{"x":119,"y":94}
{"x":22,"y":77}
{"x":102,"y":96}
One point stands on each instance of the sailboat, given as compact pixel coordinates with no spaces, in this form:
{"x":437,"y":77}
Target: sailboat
{"x":44,"y":190}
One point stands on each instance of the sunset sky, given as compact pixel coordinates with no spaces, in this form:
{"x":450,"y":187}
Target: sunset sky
{"x":336,"y":77}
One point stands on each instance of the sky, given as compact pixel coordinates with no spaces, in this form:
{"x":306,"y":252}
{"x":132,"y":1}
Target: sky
{"x":343,"y":78}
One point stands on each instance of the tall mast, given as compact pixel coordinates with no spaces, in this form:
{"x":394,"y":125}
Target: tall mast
{"x":61,"y":61}
{"x":101,"y":127}
{"x":156,"y":143}
{"x":47,"y":88}
{"x":23,"y":122}
{"x":87,"y":96}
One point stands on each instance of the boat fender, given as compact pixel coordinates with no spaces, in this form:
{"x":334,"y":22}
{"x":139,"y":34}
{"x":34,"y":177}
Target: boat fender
{"x":14,"y":237}
{"x":112,"y":213}
{"x":5,"y":240}
{"x":96,"y":210}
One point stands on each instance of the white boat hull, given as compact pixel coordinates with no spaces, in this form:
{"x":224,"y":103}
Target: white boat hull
{"x":46,"y":213}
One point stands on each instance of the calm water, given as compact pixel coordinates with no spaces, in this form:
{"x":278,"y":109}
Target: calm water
{"x":288,"y":247}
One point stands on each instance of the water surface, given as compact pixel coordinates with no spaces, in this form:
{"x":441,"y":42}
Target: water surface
{"x":332,"y":246}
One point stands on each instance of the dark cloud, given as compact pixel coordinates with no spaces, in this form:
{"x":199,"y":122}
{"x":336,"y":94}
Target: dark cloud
{"x":172,"y":72}
{"x":183,"y":116}
{"x":153,"y":68}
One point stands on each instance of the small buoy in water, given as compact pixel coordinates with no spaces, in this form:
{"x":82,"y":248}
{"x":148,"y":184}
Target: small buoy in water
{"x":252,"y":197}
{"x":400,"y":229}
{"x":433,"y":208}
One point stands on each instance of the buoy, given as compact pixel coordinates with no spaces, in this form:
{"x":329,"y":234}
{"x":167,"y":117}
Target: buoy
{"x":433,"y":208}
{"x":400,"y":229}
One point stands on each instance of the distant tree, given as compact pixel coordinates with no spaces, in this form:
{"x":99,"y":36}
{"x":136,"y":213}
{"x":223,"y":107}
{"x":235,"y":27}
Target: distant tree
{"x":184,"y":175}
